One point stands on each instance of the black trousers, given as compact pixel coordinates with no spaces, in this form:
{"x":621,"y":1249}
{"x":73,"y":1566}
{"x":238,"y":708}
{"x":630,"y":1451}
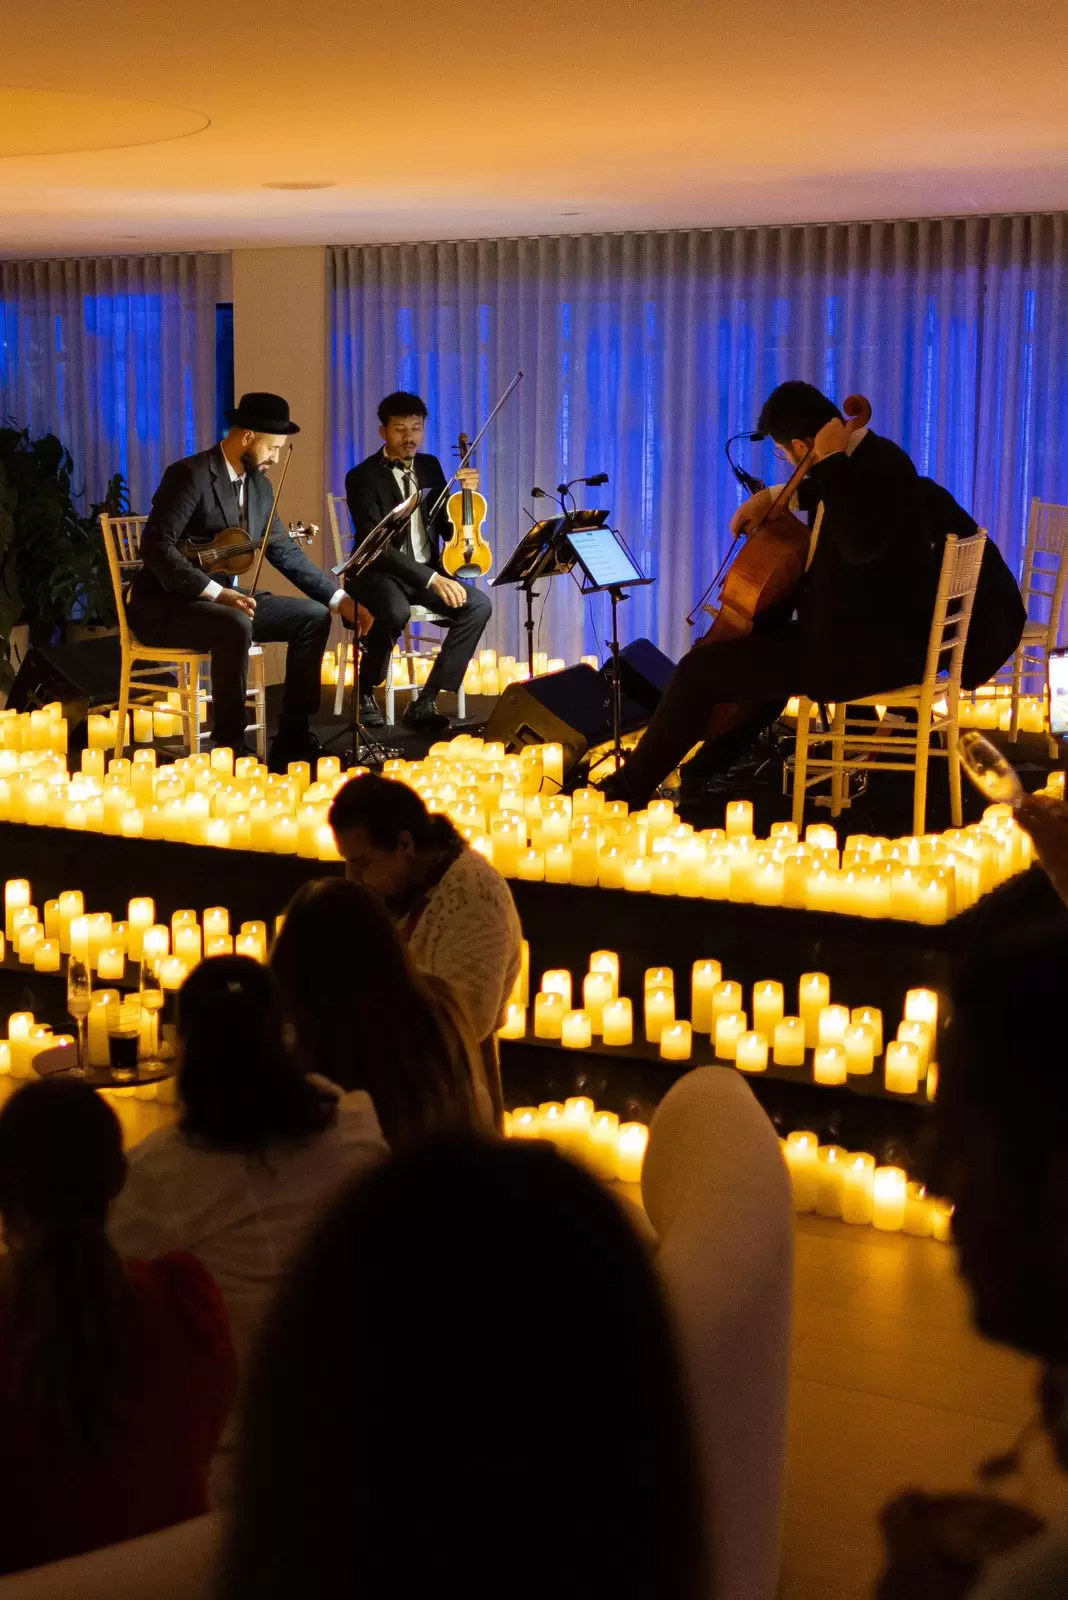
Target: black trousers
{"x":225,"y":633}
{"x":390,"y":603}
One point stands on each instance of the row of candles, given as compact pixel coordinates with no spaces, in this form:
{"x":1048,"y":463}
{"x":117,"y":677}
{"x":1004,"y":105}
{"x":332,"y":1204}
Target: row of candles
{"x":487,"y":673}
{"x":846,"y":1042}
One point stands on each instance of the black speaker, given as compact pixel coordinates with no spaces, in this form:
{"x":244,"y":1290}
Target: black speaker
{"x":572,"y":708}
{"x":644,"y":673}
{"x":77,"y":675}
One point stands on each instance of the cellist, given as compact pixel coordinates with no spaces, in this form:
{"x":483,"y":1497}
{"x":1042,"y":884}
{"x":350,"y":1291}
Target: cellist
{"x":863,"y":605}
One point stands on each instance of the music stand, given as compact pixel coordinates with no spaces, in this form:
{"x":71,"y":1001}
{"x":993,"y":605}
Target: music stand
{"x":542,"y":553}
{"x":607,"y":567}
{"x":365,"y":750}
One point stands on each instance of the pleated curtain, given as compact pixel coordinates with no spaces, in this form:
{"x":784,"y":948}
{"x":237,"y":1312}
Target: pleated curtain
{"x":116,"y":355}
{"x":642,"y":353}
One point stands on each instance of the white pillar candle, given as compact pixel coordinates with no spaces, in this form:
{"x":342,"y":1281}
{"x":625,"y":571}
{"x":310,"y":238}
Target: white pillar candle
{"x":514,"y":1025}
{"x":549,"y":1012}
{"x":726,"y":997}
{"x":704,"y":978}
{"x":857,"y":1179}
{"x":558,"y":863}
{"x":585,"y":858}
{"x":730,"y":1025}
{"x":557,"y":980}
{"x":597,"y":989}
{"x":921,"y":1005}
{"x":659,"y":1012}
{"x":751,"y":1052}
{"x":221,"y":944}
{"x":631,"y":1147}
{"x":187,"y":944}
{"x":16,"y":897}
{"x":216,"y":921}
{"x":182,"y":919}
{"x":873,"y":1017}
{"x":603,"y":1144}
{"x":660,"y":978}
{"x":575,"y":1031}
{"x":155,"y":943}
{"x":575,"y":1126}
{"x":46,"y":956}
{"x":111,"y":964}
{"x":71,"y":905}
{"x":902,"y":1067}
{"x":97,"y":1023}
{"x":833,"y":1022}
{"x":51,"y":919}
{"x":888,"y":1199}
{"x":830,"y":1180}
{"x":607,"y":961}
{"x":551,"y":1122}
{"x":860,"y":1049}
{"x":789,"y":1043}
{"x":739,"y":819}
{"x":524,"y":1123}
{"x":618,"y":1022}
{"x":829,"y":1064}
{"x":813,"y":993}
{"x":768,"y":1007}
{"x":919,"y":1212}
{"x":802,"y":1161}
{"x":30,"y":935}
{"x":676,"y":1041}
{"x":921,"y":1035}
{"x":141,"y":914}
{"x":942,"y":1220}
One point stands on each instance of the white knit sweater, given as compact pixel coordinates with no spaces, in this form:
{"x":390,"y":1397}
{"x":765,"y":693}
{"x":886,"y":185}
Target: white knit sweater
{"x":469,"y":934}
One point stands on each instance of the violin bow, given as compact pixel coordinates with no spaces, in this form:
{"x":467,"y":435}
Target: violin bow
{"x":262,"y":551}
{"x":469,"y":452}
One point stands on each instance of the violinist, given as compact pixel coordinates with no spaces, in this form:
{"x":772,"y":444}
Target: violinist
{"x":409,"y":571}
{"x":172,"y":602}
{"x":858,"y":622}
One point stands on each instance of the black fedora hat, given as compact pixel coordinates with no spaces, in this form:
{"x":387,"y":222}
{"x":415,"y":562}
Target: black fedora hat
{"x":262,"y":413}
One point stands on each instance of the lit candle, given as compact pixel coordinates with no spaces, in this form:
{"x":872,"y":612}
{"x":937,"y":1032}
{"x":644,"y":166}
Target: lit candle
{"x":187,"y":944}
{"x":789,"y":1043}
{"x":830,"y":1180}
{"x":79,"y":938}
{"x":30,"y":935}
{"x":530,"y":867}
{"x":857,"y":1180}
{"x":155,"y":943}
{"x":141,"y":914}
{"x":607,"y":961}
{"x":97,"y":1022}
{"x":618,"y":1022}
{"x":659,"y":1012}
{"x":142,"y":725}
{"x":575,"y":1031}
{"x":111,"y":964}
{"x":16,"y":897}
{"x":51,"y":919}
{"x":921,"y":1035}
{"x":802,"y":1161}
{"x":739,"y":819}
{"x":730,"y":1025}
{"x":575,"y":1126}
{"x":902,"y":1067}
{"x":921,"y":1005}
{"x":704,"y":978}
{"x":833,"y":1022}
{"x":942,"y":1220}
{"x":768,"y":1007}
{"x":557,"y":980}
{"x":726,"y":998}
{"x":860,"y":1049}
{"x":829,"y":1065}
{"x":888,"y":1199}
{"x":46,"y":956}
{"x":19,"y":1028}
{"x":919,"y":1212}
{"x":631,"y":1147}
{"x":638,"y":874}
{"x":549,"y":1012}
{"x":676,"y":1041}
{"x":659,"y":978}
{"x":597,"y":989}
{"x":603,"y":1144}
{"x":551,"y":1122}
{"x":221,"y":944}
{"x":873,"y":1018}
{"x":558,"y":863}
{"x":813,"y":993}
{"x":751,"y":1052}
{"x":525,"y":1123}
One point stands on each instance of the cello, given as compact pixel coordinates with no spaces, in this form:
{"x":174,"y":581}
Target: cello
{"x":465,"y":553}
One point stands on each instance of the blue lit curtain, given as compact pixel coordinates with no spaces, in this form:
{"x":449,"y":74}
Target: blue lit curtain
{"x":643,"y":352}
{"x":115,"y":355}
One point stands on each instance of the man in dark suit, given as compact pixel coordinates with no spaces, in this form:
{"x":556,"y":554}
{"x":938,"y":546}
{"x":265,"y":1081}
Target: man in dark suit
{"x":863,"y":610}
{"x":173,"y":602}
{"x":409,"y":571}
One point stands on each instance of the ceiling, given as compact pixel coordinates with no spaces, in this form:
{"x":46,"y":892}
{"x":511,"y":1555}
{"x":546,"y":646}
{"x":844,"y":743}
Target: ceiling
{"x":126,"y":128}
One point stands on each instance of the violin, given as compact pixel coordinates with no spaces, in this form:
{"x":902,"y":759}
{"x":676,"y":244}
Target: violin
{"x":232,"y":551}
{"x":466,"y":554}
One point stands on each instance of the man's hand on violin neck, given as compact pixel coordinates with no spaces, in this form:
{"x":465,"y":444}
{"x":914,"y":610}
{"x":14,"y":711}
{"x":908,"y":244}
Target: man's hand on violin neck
{"x":467,"y":478}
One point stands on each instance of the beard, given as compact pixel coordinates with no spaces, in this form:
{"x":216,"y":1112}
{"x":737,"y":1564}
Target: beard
{"x":250,"y":464}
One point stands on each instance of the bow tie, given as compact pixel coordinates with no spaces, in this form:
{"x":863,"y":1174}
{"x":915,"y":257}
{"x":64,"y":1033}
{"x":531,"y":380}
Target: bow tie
{"x":407,"y":467}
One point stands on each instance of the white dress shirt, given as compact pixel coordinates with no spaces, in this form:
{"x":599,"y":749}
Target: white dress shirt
{"x":404,"y":473}
{"x":212,"y":588}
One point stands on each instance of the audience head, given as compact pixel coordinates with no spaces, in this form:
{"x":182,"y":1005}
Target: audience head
{"x":402,"y":424}
{"x":239,"y":1086}
{"x":794,"y":413}
{"x":1001,"y":1139}
{"x":363,"y":1017}
{"x":65,"y":1295}
{"x":382,"y":828}
{"x":468,"y":1385}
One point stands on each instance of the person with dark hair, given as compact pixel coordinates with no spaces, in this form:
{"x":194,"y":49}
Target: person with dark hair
{"x":175,"y":601}
{"x":863,"y":608}
{"x":389,"y":1447}
{"x":116,"y":1377}
{"x":409,"y":571}
{"x":374,"y":1023}
{"x":258,"y":1149}
{"x":454,"y":910}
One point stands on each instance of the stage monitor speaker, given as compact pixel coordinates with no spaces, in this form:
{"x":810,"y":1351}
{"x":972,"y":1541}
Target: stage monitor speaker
{"x":644,"y":673}
{"x":77,"y":675}
{"x":572,"y":708}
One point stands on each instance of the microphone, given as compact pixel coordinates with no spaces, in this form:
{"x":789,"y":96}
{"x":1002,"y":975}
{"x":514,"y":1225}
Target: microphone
{"x":598,"y":478}
{"x":748,"y":482}
{"x":539,"y":494}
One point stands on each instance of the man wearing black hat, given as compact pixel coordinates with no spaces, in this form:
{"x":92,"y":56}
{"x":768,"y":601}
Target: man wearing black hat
{"x":173,"y":602}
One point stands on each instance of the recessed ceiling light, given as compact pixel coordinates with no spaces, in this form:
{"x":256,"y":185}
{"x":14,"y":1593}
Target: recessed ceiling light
{"x":301,"y":183}
{"x":569,"y":213}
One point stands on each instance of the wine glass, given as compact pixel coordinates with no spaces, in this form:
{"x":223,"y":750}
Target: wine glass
{"x":79,"y":999}
{"x":992,"y":774}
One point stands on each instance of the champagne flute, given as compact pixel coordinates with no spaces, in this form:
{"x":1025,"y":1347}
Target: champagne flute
{"x":151,"y":995}
{"x":990,"y":771}
{"x":79,"y":999}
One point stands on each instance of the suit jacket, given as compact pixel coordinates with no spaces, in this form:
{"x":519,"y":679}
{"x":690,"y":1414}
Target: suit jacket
{"x":371,"y":490}
{"x":196,"y":496}
{"x":865,"y":603}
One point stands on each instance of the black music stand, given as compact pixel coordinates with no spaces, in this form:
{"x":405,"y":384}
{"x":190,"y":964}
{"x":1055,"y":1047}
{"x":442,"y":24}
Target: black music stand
{"x":365,"y":751}
{"x":542,"y":552}
{"x":607,"y":567}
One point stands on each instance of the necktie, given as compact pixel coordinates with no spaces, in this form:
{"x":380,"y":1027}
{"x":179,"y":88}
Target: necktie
{"x":242,"y":513}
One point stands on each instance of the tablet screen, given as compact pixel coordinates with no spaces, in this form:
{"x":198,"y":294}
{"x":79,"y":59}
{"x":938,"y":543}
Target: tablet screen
{"x":603,"y":557}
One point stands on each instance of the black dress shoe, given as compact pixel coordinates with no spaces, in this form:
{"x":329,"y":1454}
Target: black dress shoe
{"x":423,"y":714}
{"x":287,"y":747}
{"x":371,"y":715}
